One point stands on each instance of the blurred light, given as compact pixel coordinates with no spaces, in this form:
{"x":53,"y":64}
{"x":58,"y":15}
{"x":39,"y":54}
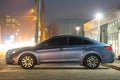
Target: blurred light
{"x":7,"y":42}
{"x":77,"y":28}
{"x":18,"y":30}
{"x":16,"y":34}
{"x":99,"y":16}
{"x":19,"y":24}
{"x":2,"y":48}
{"x":8,"y":46}
{"x":12,"y":38}
{"x":39,"y":33}
{"x":33,"y":39}
{"x":34,"y":18}
{"x":32,"y":10}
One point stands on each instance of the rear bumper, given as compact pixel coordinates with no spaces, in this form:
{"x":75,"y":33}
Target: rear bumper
{"x":109,"y":58}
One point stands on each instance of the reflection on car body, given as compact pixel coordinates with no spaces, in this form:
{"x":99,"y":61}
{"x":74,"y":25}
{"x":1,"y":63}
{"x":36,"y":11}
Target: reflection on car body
{"x":64,"y":48}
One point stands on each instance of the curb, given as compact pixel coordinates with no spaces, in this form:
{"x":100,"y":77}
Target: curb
{"x":112,"y":66}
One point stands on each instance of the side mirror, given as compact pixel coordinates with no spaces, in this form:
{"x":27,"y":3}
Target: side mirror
{"x":42,"y":46}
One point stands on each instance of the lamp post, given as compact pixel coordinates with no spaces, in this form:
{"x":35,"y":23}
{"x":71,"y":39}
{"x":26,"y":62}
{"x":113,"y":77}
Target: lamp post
{"x":77,"y":29}
{"x":99,"y":16}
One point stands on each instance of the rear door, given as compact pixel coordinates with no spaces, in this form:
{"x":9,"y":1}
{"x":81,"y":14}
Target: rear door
{"x":74,"y":50}
{"x":77,"y":48}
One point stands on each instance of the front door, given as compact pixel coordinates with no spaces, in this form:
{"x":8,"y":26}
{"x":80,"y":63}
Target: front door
{"x":52,"y":49}
{"x":50,"y":55}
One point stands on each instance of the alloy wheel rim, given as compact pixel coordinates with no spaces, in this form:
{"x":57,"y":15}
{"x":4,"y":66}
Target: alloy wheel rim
{"x":27,"y":61}
{"x":92,"y":61}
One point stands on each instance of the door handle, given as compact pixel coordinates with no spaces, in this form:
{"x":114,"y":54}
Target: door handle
{"x":61,"y":49}
{"x":86,"y":48}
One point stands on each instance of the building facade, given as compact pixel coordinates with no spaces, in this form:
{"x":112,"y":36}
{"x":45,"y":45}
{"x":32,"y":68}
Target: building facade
{"x":0,"y":34}
{"x":109,"y":29}
{"x":8,"y":27}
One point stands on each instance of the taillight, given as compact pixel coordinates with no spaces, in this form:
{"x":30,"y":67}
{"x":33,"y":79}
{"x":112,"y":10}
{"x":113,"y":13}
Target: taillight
{"x":108,"y":47}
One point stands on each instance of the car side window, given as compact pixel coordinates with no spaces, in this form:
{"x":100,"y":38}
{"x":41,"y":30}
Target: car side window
{"x":75,"y":41}
{"x":60,"y":41}
{"x":87,"y":42}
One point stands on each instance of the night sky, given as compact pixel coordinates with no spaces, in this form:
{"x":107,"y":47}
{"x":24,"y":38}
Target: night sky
{"x":82,"y":9}
{"x":60,"y":10}
{"x":56,"y":9}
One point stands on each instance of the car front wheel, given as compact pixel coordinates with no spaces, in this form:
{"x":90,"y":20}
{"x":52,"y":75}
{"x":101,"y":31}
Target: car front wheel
{"x":27,"y":61}
{"x":91,"y":61}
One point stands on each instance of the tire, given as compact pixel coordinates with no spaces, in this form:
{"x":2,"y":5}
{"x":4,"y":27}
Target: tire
{"x":27,"y":61}
{"x":92,"y":61}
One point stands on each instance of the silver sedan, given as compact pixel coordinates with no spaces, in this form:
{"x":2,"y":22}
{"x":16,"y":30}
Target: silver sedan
{"x":65,"y":49}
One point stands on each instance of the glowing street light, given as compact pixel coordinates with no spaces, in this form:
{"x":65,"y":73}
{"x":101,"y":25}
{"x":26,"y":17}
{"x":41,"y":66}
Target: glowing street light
{"x":32,"y":10}
{"x":99,"y":16}
{"x":77,"y":29}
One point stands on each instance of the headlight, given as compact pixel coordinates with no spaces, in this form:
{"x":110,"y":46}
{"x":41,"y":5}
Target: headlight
{"x":13,"y":51}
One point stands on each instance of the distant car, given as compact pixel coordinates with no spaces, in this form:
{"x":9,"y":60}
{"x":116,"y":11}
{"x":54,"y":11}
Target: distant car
{"x":64,"y":48}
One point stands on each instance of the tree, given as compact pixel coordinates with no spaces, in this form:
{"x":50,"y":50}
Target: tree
{"x":53,"y":29}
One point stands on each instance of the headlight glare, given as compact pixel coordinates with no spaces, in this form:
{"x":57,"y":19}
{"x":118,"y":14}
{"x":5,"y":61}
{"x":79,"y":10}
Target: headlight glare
{"x":13,"y":51}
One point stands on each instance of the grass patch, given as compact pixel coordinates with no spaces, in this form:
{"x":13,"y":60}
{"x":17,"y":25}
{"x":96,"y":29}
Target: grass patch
{"x":119,"y":57}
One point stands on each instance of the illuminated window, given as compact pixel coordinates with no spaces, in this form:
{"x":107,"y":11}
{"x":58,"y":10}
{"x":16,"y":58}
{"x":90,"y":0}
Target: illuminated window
{"x":7,"y":20}
{"x":12,"y":20}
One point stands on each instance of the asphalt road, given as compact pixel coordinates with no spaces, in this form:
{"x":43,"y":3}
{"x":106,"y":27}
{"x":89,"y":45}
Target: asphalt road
{"x":58,"y":72}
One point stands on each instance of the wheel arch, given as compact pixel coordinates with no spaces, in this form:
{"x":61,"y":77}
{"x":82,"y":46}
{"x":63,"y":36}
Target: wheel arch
{"x":26,"y":53}
{"x":92,"y":54}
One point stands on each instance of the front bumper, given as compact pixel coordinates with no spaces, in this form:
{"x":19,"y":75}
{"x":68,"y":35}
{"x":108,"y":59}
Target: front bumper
{"x":9,"y":61}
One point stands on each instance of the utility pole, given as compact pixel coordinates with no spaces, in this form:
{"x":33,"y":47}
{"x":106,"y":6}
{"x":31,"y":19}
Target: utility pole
{"x":37,"y":26}
{"x":43,"y":32}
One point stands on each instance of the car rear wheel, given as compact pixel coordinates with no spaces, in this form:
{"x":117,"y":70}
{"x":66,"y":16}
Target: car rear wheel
{"x":27,"y":61}
{"x":92,"y":61}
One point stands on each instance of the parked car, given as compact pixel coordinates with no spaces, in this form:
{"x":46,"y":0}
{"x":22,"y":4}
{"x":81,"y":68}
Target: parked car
{"x":65,"y":48}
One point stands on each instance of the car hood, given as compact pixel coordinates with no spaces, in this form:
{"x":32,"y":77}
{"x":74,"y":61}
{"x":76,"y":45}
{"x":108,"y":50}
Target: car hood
{"x":27,"y":48}
{"x":21,"y":49}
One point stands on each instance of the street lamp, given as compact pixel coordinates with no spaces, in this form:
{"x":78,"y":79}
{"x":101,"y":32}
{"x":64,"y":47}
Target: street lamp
{"x":77,"y":29}
{"x":99,"y":16}
{"x":32,"y":11}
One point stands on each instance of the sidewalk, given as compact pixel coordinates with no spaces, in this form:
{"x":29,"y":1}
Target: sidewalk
{"x":114,"y":65}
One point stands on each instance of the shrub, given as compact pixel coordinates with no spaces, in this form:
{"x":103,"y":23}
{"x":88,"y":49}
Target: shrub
{"x":119,"y":57}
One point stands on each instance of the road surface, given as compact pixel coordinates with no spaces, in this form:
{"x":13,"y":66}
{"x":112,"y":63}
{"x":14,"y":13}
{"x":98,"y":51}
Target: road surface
{"x":58,"y":72}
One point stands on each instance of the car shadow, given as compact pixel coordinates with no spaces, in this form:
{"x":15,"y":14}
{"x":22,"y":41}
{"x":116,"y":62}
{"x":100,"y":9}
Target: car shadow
{"x":54,"y":67}
{"x":66,"y":67}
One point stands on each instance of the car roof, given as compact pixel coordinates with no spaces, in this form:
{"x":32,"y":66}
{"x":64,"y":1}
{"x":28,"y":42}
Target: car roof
{"x":84,"y":37}
{"x":67,"y":36}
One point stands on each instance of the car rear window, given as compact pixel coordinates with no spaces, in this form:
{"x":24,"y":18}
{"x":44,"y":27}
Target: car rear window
{"x":80,"y":41}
